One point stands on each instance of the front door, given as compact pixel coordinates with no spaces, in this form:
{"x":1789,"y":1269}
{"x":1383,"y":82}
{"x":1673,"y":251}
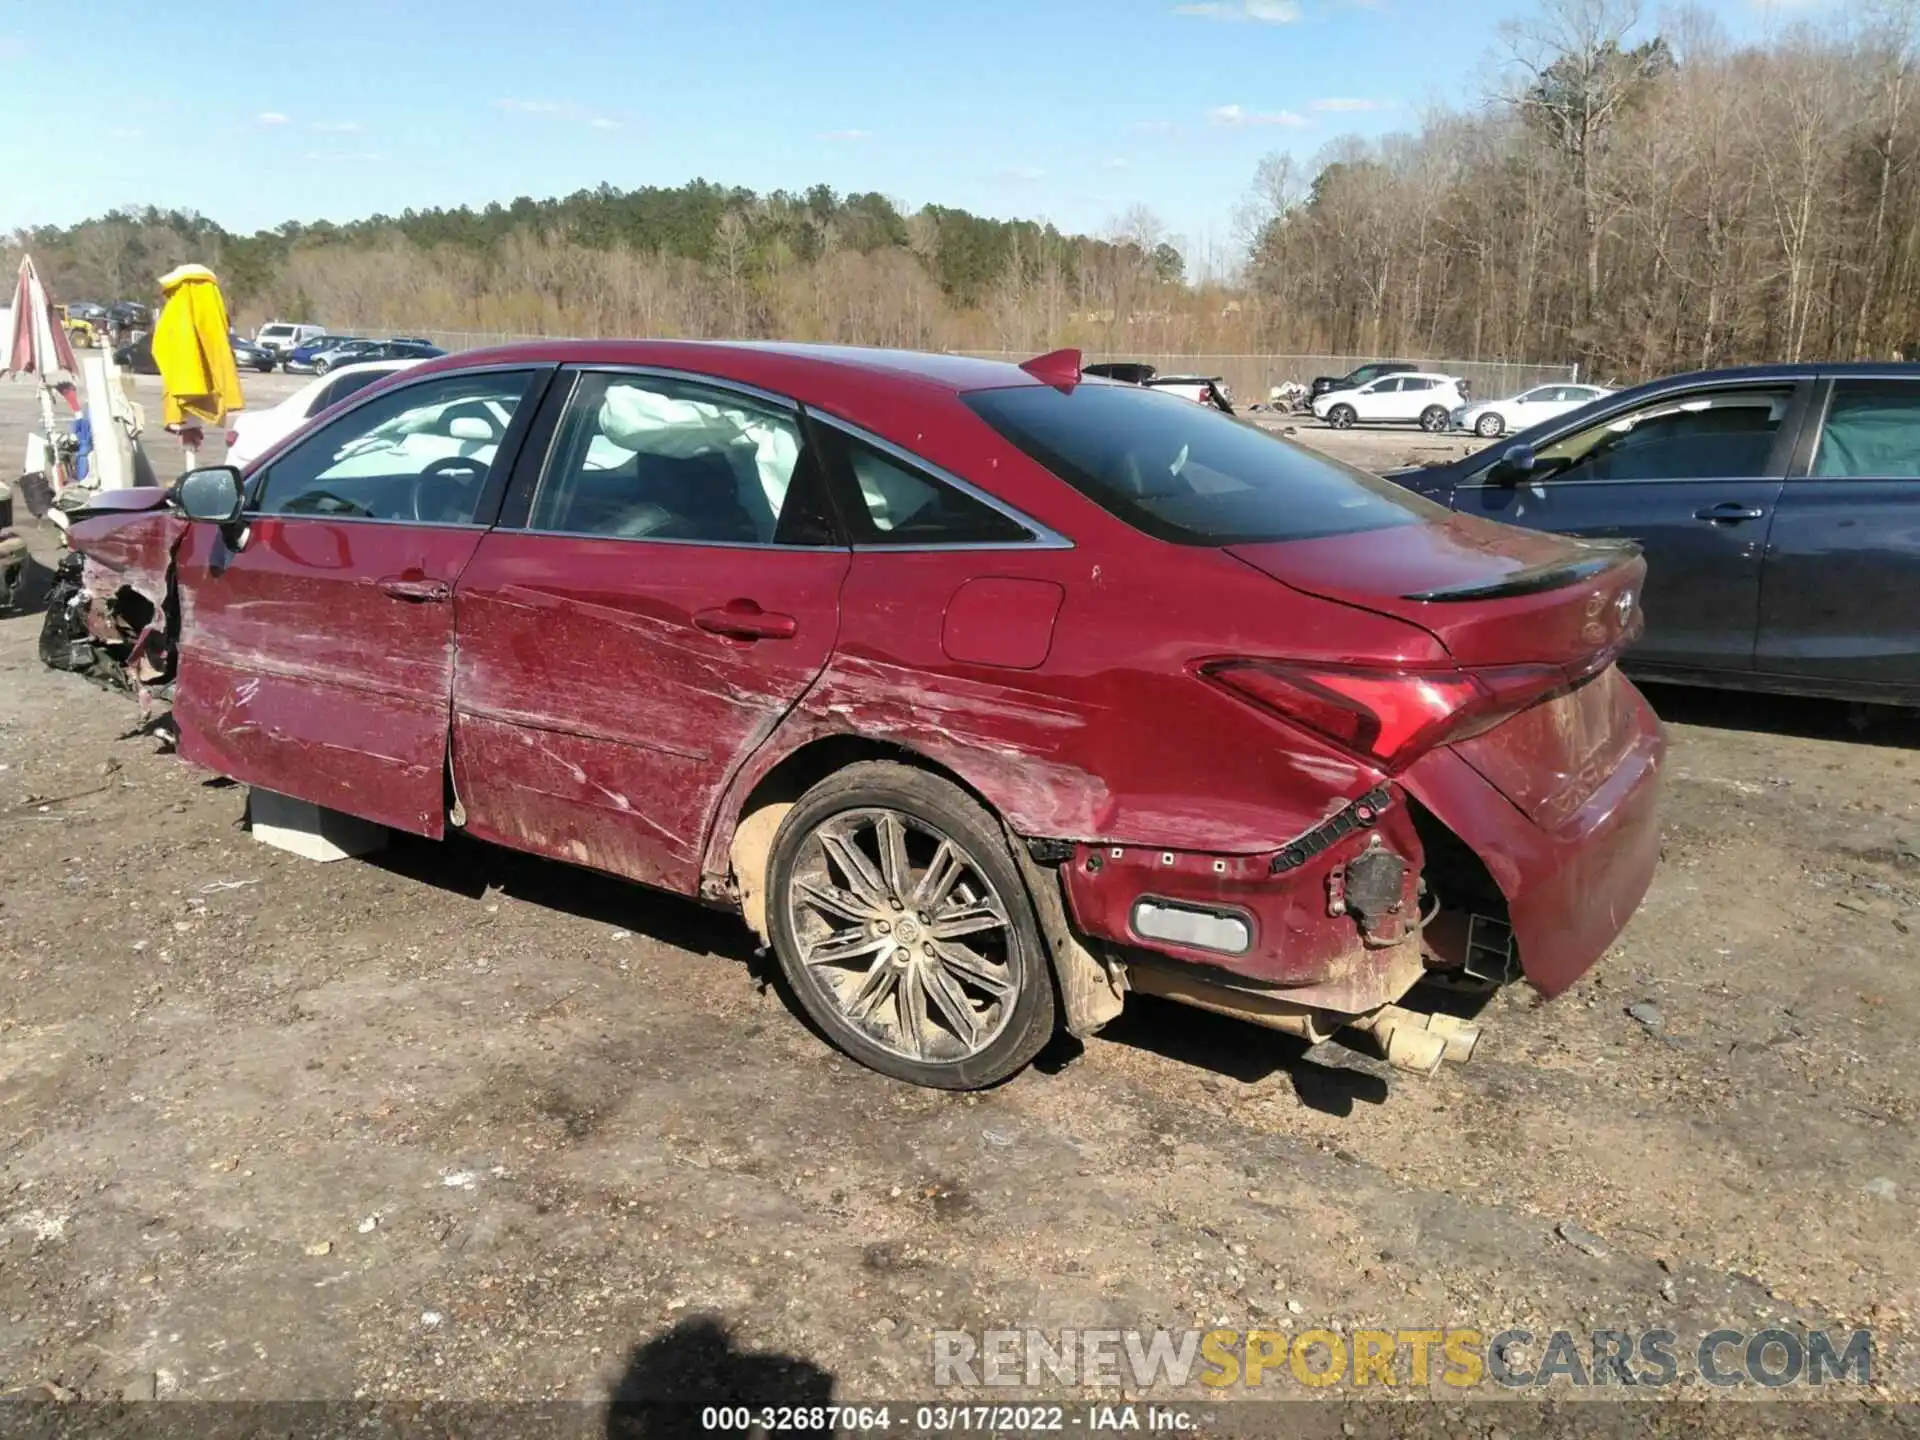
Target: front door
{"x":1841,"y":595}
{"x":674,"y":590}
{"x":316,"y":655}
{"x":1694,"y":479}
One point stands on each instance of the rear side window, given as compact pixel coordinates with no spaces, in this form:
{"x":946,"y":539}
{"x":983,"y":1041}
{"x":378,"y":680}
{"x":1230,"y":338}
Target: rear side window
{"x":1190,"y":474}
{"x":1872,"y":432}
{"x":888,"y":501}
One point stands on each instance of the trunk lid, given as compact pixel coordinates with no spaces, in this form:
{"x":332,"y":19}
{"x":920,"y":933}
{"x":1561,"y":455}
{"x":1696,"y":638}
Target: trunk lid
{"x":1492,"y":594}
{"x":1497,"y":597}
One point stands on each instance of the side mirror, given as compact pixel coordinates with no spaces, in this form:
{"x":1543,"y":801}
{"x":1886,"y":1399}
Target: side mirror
{"x":211,"y":494}
{"x":1516,"y":462}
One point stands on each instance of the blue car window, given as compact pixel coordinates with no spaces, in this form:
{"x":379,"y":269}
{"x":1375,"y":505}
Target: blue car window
{"x":1872,"y":432}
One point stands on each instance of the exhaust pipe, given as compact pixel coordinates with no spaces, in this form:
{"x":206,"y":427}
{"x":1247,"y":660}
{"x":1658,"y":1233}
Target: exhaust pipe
{"x":1305,"y":1021}
{"x":1411,"y":1040}
{"x":1404,"y":1037}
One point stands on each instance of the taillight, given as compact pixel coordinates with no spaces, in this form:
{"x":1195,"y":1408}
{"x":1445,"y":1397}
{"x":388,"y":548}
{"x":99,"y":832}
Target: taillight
{"x":1390,"y":716}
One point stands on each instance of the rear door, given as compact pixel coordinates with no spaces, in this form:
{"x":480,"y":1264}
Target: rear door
{"x":1693,"y":477}
{"x":1840,"y":596}
{"x":1380,"y":400}
{"x":661,"y":591}
{"x":317,"y":636}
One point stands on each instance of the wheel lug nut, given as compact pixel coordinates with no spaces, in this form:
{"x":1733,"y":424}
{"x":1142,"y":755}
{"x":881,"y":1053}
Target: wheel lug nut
{"x":901,"y":956}
{"x":882,"y":926}
{"x":923,"y":917}
{"x":896,"y":905}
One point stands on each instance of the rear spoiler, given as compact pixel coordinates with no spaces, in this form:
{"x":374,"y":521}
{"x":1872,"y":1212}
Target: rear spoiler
{"x":1535,"y":578}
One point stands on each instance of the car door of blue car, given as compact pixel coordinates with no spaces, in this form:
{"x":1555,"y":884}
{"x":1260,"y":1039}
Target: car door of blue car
{"x":1840,"y":595}
{"x":1694,"y":477}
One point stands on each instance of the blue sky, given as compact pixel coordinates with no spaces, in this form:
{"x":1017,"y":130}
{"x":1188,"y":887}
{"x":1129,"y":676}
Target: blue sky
{"x":1068,"y":110}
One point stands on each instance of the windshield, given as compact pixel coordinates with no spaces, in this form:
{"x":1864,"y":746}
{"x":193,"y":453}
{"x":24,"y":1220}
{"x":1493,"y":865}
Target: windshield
{"x":1191,"y":474}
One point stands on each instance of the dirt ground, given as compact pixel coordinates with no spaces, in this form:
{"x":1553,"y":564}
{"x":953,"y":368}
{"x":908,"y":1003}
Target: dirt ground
{"x":454,"y":1123}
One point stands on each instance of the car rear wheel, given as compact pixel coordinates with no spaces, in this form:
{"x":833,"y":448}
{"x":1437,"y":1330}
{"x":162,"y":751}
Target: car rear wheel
{"x":320,"y":367}
{"x":1488,"y":426}
{"x":1433,"y":419}
{"x":904,"y":930}
{"x":1341,"y":417}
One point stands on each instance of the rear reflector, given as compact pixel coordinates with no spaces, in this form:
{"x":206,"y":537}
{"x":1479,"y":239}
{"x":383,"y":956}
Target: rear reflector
{"x":1199,"y":929}
{"x":1391,"y":717}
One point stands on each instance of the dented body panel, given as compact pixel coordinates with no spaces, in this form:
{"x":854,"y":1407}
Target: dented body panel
{"x":595,"y":720}
{"x":319,"y":660}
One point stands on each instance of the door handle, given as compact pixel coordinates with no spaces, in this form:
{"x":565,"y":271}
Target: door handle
{"x":1730,"y":512}
{"x":420,"y":592}
{"x":744,"y":620}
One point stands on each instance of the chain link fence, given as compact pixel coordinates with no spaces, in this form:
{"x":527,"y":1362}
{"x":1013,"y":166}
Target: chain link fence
{"x":1252,"y":378}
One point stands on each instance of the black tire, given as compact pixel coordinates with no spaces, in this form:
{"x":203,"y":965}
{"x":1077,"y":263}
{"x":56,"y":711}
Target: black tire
{"x":1489,"y":426}
{"x":1341,"y":417}
{"x":1433,"y":419}
{"x":1024,"y":1017}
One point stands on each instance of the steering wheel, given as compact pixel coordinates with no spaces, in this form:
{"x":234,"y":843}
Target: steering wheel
{"x":449,"y":496}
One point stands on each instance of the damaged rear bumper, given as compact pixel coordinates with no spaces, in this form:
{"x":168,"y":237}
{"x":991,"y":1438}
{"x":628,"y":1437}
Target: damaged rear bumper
{"x":1570,"y":890}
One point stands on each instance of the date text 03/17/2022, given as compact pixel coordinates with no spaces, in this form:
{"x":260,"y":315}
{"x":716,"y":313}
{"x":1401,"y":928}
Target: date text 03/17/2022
{"x":945,"y":1419}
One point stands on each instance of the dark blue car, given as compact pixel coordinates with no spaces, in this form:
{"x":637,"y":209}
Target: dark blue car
{"x":1778,"y":506}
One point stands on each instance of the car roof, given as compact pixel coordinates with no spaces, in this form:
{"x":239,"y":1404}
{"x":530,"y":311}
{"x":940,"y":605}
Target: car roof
{"x":789,"y":368}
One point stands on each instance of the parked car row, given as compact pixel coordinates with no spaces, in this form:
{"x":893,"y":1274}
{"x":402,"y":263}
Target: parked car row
{"x":330,"y":352}
{"x":136,"y":355}
{"x":1399,"y":392}
{"x":314,"y":350}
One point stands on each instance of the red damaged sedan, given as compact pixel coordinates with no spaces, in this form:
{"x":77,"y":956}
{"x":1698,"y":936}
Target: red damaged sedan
{"x":987,"y":693}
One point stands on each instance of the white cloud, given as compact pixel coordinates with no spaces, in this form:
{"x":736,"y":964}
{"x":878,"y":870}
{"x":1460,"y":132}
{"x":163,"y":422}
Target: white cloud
{"x":338,"y":127}
{"x":1024,"y":174}
{"x":1261,"y":12}
{"x":1154,"y":127}
{"x":844,"y":135}
{"x":1235,"y":116}
{"x":271,"y":117}
{"x":12,"y":47}
{"x":357,"y":157}
{"x":1117,"y":163}
{"x":125,"y":132}
{"x":1350,"y":105}
{"x":601,"y":122}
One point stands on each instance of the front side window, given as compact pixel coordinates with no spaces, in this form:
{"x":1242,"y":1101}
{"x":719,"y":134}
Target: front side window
{"x":652,"y":458}
{"x":1384,"y":387}
{"x":1872,"y":432}
{"x":1712,"y":435}
{"x":420,"y":453}
{"x":1190,"y":474}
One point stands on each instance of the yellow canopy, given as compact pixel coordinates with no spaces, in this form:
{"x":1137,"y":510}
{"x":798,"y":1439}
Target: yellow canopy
{"x":192,"y":349}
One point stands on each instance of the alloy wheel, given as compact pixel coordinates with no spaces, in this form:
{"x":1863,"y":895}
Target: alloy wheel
{"x":899,"y":929}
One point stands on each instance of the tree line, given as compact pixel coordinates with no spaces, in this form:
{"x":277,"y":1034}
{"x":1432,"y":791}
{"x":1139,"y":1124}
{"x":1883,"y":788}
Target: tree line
{"x":1637,"y":200}
{"x":1642,"y":203}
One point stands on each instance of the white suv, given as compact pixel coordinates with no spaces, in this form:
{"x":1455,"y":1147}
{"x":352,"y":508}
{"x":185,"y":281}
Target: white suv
{"x":282,"y":338}
{"x":1422,"y":397}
